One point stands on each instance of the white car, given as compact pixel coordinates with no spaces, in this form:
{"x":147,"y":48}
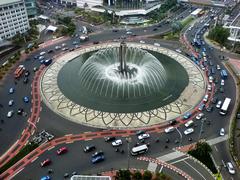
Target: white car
{"x":209,"y":87}
{"x":218,"y":67}
{"x":156,"y":44}
{"x":143,"y":136}
{"x":117,"y":142}
{"x":42,"y":53}
{"x":222,"y":132}
{"x":57,"y":47}
{"x":199,"y":116}
{"x":178,"y":50}
{"x":41,"y":57}
{"x":10,"y":114}
{"x":210,"y":79}
{"x":205,"y":99}
{"x":169,"y":129}
{"x":189,"y":123}
{"x":222,"y":82}
{"x":142,"y":42}
{"x":11,"y":102}
{"x":231,"y":170}
{"x":219,"y":103}
{"x":188,"y":131}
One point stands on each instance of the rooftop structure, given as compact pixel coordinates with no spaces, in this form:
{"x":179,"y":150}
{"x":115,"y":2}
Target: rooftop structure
{"x":234,"y":27}
{"x":13,"y":18}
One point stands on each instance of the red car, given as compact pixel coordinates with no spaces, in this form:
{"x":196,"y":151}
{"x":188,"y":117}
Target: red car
{"x":62,"y":150}
{"x":45,"y":162}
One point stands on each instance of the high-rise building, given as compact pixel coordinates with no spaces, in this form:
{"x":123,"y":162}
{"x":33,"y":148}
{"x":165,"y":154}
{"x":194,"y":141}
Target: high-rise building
{"x":89,"y":3}
{"x":13,"y":18}
{"x":31,"y":8}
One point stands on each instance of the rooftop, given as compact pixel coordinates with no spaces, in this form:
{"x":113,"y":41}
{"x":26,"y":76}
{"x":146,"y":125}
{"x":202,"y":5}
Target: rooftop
{"x":236,"y":21}
{"x":3,"y":2}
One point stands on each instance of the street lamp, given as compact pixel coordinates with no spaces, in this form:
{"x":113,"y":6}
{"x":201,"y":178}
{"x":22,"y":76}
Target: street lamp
{"x":128,"y":139}
{"x":180,"y":134}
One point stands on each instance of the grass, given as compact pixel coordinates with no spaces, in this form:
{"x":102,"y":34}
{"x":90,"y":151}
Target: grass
{"x":186,"y":21}
{"x":22,"y":153}
{"x":218,"y":176}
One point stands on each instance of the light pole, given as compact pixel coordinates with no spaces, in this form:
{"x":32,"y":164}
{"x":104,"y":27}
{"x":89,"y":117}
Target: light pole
{"x":180,"y":134}
{"x":128,"y":139}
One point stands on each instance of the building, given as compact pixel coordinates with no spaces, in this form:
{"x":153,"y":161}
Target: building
{"x":83,"y":177}
{"x":121,"y":7}
{"x":234,"y":28}
{"x":31,"y":8}
{"x":13,"y":18}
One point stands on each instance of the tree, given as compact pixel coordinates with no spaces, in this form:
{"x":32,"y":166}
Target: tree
{"x":123,"y":175}
{"x":147,"y":175}
{"x":219,"y":34}
{"x":137,"y":175}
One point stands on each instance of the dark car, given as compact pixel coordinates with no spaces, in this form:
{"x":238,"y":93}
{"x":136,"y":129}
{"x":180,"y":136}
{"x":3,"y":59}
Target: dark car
{"x":109,"y":139}
{"x":46,"y":162}
{"x":89,"y":148}
{"x":20,"y":111}
{"x":98,"y":159}
{"x":97,"y":153}
{"x":155,"y":29}
{"x":173,"y":122}
{"x":221,"y":89}
{"x":50,"y":51}
{"x":25,"y":80}
{"x":95,"y":42}
{"x":27,"y":73}
{"x":140,"y":132}
{"x":214,"y":100}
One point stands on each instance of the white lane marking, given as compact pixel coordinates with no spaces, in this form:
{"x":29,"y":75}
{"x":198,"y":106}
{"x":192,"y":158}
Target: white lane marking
{"x":88,"y":139}
{"x":217,"y":140}
{"x":23,"y":131}
{"x":69,"y":142}
{"x":17,"y":172}
{"x":195,"y":169}
{"x":174,"y":162}
{"x":161,"y":169}
{"x":223,"y":163}
{"x":216,"y":148}
{"x":171,"y":156}
{"x":68,"y":135}
{"x":34,"y":159}
{"x":51,"y":148}
{"x":38,"y":119}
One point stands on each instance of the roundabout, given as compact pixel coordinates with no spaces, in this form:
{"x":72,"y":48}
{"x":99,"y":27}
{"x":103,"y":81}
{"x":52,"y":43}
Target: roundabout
{"x":119,"y":85}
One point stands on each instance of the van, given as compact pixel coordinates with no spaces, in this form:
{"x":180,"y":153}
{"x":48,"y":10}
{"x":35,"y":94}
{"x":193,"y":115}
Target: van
{"x":189,"y":123}
{"x":205,"y":99}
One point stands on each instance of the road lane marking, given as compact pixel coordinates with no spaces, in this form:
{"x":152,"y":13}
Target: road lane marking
{"x":18,"y":172}
{"x":195,"y":170}
{"x":88,"y":139}
{"x":69,"y":142}
{"x":68,"y":135}
{"x":216,"y":148}
{"x":174,"y":162}
{"x":161,"y":169}
{"x":34,"y":159}
{"x":223,"y":163}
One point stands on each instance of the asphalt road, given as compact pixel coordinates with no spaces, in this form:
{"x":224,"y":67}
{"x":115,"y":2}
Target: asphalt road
{"x":78,"y":161}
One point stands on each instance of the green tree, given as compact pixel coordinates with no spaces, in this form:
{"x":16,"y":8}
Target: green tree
{"x":147,"y":175}
{"x":123,"y":175}
{"x":203,"y":148}
{"x":137,"y":175}
{"x":219,"y":34}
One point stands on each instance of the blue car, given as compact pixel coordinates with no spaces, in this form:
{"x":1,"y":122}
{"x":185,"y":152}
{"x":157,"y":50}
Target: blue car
{"x":201,"y":107}
{"x":11,"y":90}
{"x":98,"y":159}
{"x":25,"y":99}
{"x":45,"y":178}
{"x":187,"y":115}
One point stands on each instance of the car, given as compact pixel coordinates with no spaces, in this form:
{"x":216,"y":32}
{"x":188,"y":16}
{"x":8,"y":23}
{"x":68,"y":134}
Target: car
{"x":222,"y":82}
{"x":75,"y":43}
{"x":210,"y":78}
{"x":230,"y":168}
{"x":97,"y":153}
{"x":27,"y":73}
{"x":45,"y":178}
{"x":222,"y":132}
{"x":205,"y":99}
{"x":50,"y":51}
{"x":10,"y":114}
{"x":109,"y":138}
{"x":117,"y":142}
{"x":218,"y":67}
{"x":157,"y":44}
{"x":216,"y":80}
{"x":188,"y":131}
{"x":129,"y":32}
{"x":95,"y":42}
{"x":199,"y":116}
{"x":57,"y":47}
{"x":46,"y":162}
{"x":36,"y":57}
{"x":25,"y":80}
{"x":201,"y":107}
{"x":169,"y":129}
{"x":41,"y":57}
{"x":72,"y":49}
{"x":115,"y":30}
{"x":178,"y":50}
{"x":98,"y":159}
{"x":35,"y":69}
{"x":89,"y":148}
{"x":42,"y":53}
{"x":172,"y":122}
{"x":62,"y":150}
{"x":209,"y":108}
{"x":155,"y":29}
{"x":65,"y":49}
{"x":20,"y":111}
{"x":221,"y":89}
{"x":11,"y":102}
{"x":63,"y":44}
{"x":189,"y":123}
{"x":140,"y":132}
{"x":66,"y":175}
{"x":11,"y":90}
{"x":25,"y":99}
{"x":214,"y":100}
{"x":143,"y":136}
{"x":219,"y":103}
{"x":142,"y":42}
{"x":209,"y":87}
{"x":187,"y":115}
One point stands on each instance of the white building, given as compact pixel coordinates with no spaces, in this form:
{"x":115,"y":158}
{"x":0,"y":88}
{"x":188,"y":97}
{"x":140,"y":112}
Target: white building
{"x":89,"y":3}
{"x":234,"y":28}
{"x":13,"y":18}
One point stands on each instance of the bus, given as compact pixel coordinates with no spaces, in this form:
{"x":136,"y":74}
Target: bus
{"x":225,"y":106}
{"x":19,"y":71}
{"x":223,"y":74}
{"x":139,"y":150}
